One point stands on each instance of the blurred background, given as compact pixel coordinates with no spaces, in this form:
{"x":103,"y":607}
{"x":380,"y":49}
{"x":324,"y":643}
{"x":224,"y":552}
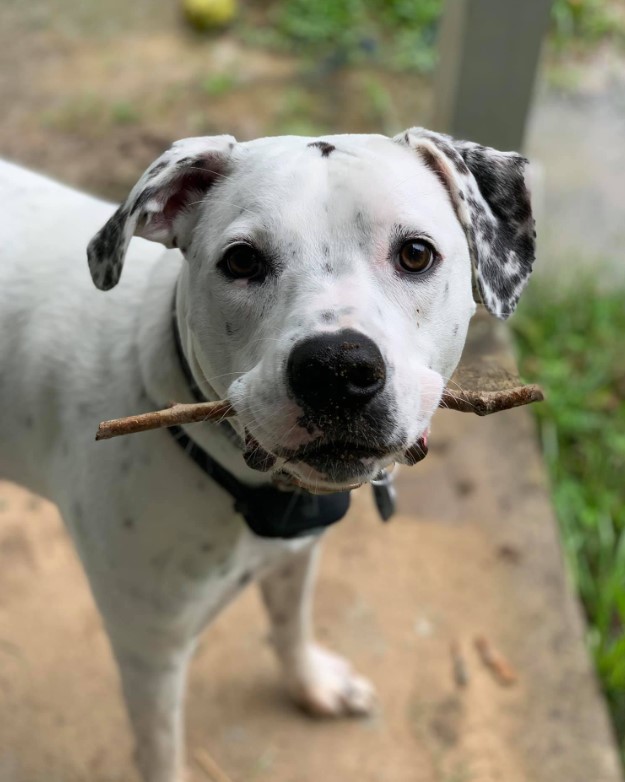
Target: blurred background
{"x":92,"y":92}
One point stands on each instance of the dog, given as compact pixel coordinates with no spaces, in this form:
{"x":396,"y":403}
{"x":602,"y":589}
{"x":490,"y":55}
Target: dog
{"x":322,"y":285}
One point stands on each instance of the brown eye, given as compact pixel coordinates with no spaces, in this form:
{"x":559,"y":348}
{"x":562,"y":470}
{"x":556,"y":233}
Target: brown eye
{"x":243,"y":262}
{"x":416,"y":256}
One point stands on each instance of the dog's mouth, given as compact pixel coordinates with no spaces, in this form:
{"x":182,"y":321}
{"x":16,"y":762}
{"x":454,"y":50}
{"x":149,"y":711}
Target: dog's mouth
{"x":338,"y":464}
{"x":338,"y":456}
{"x":332,"y":465}
{"x":324,"y":465}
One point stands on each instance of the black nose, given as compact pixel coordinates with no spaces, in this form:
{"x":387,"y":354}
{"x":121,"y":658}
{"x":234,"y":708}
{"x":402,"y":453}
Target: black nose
{"x":330,"y":372}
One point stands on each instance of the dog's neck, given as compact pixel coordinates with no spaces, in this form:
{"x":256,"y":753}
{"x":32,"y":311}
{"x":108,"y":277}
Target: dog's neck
{"x":161,"y":369}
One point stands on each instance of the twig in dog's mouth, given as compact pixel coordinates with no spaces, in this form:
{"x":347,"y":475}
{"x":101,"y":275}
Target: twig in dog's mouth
{"x":479,"y":402}
{"x":175,"y":415}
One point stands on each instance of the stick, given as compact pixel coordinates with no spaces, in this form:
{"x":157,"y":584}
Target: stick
{"x":172,"y":416}
{"x":487,"y":402}
{"x":459,"y":665}
{"x":209,"y":766}
{"x":496,"y":662}
{"x":479,"y":402}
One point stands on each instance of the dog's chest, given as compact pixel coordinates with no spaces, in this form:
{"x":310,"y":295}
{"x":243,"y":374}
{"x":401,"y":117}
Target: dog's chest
{"x":167,"y":534}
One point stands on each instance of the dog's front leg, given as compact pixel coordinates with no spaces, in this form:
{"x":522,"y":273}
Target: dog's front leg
{"x":320,"y":681}
{"x":153,"y":677}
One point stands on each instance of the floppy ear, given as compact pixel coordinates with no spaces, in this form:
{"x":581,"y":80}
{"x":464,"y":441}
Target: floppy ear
{"x":488,"y":192}
{"x":161,"y":206}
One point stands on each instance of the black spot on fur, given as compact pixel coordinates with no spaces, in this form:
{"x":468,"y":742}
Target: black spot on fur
{"x":128,"y":523}
{"x":156,"y":169}
{"x":108,"y":278}
{"x":144,"y":196}
{"x":206,"y":547}
{"x":245,"y":578}
{"x":229,"y":330}
{"x":324,"y":146}
{"x":106,"y":247}
{"x":454,"y":156}
{"x":503,"y":238}
{"x":328,"y":316}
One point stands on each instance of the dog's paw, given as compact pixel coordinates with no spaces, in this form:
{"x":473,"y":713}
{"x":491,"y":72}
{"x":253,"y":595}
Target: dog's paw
{"x":325,"y":685}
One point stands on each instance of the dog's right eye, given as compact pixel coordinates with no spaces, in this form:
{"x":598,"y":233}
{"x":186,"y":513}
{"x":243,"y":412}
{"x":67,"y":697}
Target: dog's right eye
{"x":243,"y":262}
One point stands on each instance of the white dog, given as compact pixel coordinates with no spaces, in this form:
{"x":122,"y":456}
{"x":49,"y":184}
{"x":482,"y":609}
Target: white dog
{"x":324,"y":286}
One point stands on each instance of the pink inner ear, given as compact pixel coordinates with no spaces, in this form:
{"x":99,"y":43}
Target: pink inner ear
{"x":187,"y":189}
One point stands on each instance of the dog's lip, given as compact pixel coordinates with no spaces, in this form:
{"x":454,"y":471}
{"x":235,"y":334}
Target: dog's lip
{"x":319,"y":487}
{"x":341,"y":448}
{"x":320,"y":455}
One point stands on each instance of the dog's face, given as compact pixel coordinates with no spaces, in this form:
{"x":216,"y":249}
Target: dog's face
{"x":329,"y":283}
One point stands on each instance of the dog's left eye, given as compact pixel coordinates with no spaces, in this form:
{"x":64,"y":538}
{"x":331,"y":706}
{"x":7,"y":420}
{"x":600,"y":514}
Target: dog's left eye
{"x":243,"y":262}
{"x":416,"y":256}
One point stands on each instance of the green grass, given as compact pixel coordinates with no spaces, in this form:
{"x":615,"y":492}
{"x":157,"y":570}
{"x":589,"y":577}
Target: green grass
{"x":586,"y":21}
{"x":218,"y":84}
{"x":574,"y":346}
{"x":401,"y":34}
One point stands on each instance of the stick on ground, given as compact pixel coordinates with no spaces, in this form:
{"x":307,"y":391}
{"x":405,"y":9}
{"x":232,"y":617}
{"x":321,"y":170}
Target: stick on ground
{"x":209,"y":766}
{"x":459,"y":665}
{"x":495,"y":662}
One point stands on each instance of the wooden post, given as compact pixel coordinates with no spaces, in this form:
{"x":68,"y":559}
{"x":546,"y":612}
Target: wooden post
{"x":489,"y":51}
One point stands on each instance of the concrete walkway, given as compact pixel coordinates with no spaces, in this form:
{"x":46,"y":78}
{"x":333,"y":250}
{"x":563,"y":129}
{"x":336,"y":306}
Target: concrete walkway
{"x":474,"y":551}
{"x":576,"y":136}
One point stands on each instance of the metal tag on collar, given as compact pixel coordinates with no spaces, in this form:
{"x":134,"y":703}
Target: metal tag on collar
{"x":384,"y":494}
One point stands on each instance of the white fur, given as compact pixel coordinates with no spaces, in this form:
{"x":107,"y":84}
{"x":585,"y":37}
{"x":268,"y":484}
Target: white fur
{"x":160,"y":543}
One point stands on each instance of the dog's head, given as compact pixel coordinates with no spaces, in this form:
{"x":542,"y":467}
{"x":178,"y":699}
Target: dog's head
{"x":329,"y":282}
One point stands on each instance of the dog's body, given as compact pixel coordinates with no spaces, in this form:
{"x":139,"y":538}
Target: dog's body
{"x":160,"y":541}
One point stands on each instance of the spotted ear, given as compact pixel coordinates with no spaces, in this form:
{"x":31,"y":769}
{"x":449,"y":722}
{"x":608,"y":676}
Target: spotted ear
{"x":488,"y":192}
{"x":161,"y":206}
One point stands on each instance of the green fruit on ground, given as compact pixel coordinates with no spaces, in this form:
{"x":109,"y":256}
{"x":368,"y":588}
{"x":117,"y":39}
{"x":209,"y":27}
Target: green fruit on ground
{"x":209,"y":14}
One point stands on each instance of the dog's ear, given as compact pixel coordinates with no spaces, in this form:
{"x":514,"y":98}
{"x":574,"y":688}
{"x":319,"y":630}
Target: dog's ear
{"x":488,"y":192}
{"x":161,"y":205}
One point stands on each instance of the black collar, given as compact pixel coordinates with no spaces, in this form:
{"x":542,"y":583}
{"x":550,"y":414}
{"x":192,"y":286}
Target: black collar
{"x":268,"y":511}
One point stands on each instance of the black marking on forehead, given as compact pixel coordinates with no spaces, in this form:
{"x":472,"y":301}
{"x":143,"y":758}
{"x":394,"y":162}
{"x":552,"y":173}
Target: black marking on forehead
{"x":324,"y":146}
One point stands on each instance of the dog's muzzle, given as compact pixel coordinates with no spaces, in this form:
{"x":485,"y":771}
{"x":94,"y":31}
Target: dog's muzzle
{"x":339,"y":381}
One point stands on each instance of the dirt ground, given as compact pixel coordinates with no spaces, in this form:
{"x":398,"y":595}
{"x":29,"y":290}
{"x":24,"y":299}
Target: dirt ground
{"x":473,"y":551}
{"x":91,"y":93}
